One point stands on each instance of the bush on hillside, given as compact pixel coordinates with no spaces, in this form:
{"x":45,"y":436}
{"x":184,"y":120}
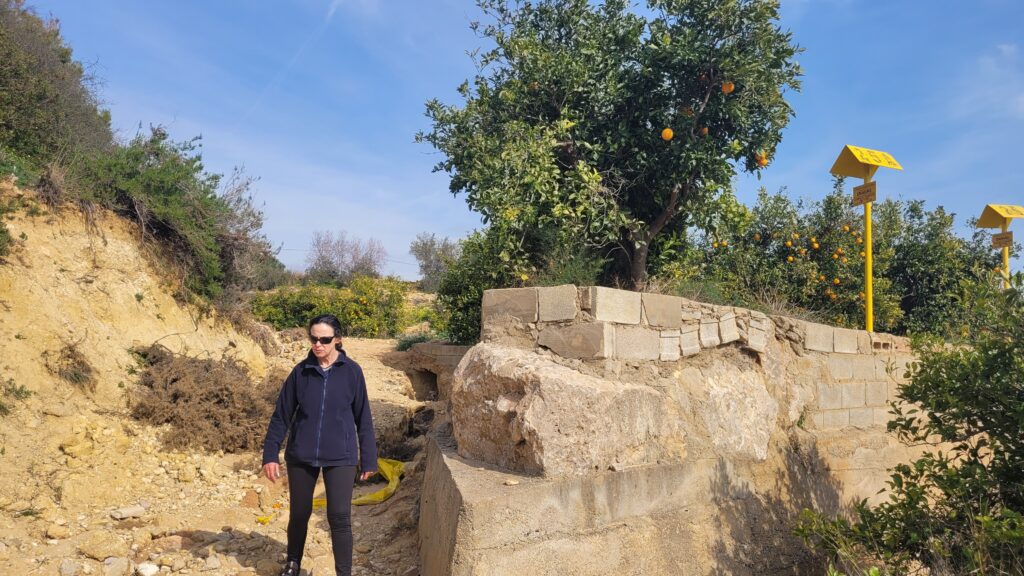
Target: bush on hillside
{"x":433,"y":257}
{"x":337,"y":259}
{"x":292,"y":307}
{"x":462,"y":286}
{"x":48,"y":105}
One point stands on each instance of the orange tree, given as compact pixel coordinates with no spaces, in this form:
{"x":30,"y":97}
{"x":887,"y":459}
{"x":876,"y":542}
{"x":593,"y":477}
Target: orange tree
{"x":561,"y":136}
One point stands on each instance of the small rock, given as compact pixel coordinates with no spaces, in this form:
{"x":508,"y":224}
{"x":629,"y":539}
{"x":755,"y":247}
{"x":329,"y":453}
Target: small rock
{"x":363,"y":548}
{"x":212,"y":562}
{"x":101,"y":544}
{"x":266,"y":566}
{"x":58,"y":532}
{"x":251,"y":499}
{"x":128,"y":512}
{"x":411,"y":571}
{"x":511,"y":482}
{"x":168,"y":543}
{"x":147,"y":569}
{"x":116,"y":567}
{"x":69,"y":567}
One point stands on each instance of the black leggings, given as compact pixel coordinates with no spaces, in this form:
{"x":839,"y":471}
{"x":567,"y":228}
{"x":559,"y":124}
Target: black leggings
{"x":339,"y":481}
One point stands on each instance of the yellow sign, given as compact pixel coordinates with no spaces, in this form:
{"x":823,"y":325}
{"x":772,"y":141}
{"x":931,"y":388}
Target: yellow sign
{"x":865,"y":193}
{"x":1002,"y":240}
{"x":996,"y":215}
{"x":857,"y":162}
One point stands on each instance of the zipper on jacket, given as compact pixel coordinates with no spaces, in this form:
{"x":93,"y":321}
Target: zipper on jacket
{"x":319,"y":429}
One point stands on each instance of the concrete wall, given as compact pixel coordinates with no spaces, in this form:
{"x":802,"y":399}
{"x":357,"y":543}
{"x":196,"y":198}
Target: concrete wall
{"x":602,"y":431}
{"x":437,"y":359}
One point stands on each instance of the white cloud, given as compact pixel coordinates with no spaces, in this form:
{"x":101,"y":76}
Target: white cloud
{"x":994,"y":87}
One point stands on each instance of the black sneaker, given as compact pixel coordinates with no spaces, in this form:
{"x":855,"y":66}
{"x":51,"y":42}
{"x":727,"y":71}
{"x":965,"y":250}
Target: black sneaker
{"x":291,"y":568}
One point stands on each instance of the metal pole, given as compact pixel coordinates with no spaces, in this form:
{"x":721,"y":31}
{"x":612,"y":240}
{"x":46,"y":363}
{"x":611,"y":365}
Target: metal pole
{"x":869,"y":310}
{"x":1006,"y":259}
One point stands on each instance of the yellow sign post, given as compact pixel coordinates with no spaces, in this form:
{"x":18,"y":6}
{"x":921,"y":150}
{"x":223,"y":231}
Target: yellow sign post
{"x":857,"y":162}
{"x":999,"y":216}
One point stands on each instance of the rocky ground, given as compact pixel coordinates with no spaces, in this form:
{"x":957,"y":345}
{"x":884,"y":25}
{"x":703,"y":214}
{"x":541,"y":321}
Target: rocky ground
{"x":87,"y":490}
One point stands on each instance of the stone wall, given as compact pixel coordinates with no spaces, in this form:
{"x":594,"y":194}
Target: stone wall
{"x":860,"y":370}
{"x":604,"y":431}
{"x":430,"y":367}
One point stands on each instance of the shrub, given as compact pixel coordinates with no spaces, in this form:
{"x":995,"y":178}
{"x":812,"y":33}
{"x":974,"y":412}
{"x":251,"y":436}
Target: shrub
{"x":370,"y":307}
{"x":462,"y":286}
{"x":292,"y":307}
{"x":71,"y":366}
{"x":406,"y":342}
{"x":959,"y":508}
{"x":12,"y":391}
{"x":338,"y":259}
{"x":375,"y":308}
{"x":48,"y":102}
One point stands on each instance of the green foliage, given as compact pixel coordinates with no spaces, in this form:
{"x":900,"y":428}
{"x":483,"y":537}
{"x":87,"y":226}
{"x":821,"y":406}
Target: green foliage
{"x":560,"y":130}
{"x":293,"y":307}
{"x":785,"y":257}
{"x":23,"y":170}
{"x":370,"y":307}
{"x":48,"y":107}
{"x":12,"y":391}
{"x":959,"y":508}
{"x":462,"y":286}
{"x":375,"y":309}
{"x":405,"y":342}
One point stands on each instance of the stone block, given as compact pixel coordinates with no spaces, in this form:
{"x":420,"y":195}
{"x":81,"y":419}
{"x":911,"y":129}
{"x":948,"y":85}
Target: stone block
{"x":876,"y":393}
{"x":881,"y":416}
{"x":819,"y":420}
{"x":689,"y":340}
{"x":727,"y":329}
{"x":590,"y":340}
{"x":863,"y":367}
{"x":818,"y":337}
{"x":834,"y":419}
{"x":709,"y":335}
{"x":863,"y":342}
{"x":663,"y":311}
{"x":557,"y":303}
{"x":845,"y":341}
{"x":517,"y":302}
{"x":637,"y":343}
{"x":830,"y":396}
{"x":690,"y":315}
{"x":862,"y":417}
{"x":619,"y":306}
{"x":853,"y":394}
{"x":670,"y":348}
{"x":840,"y":367}
{"x":757,"y":339}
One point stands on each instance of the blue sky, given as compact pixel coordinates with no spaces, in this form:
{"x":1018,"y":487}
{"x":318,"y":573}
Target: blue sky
{"x":321,"y":99}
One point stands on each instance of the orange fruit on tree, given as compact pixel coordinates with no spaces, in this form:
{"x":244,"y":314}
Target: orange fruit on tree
{"x":688,"y":111}
{"x":862,"y":295}
{"x":803,"y":251}
{"x":704,"y":131}
{"x":725,"y":243}
{"x":789,"y":258}
{"x":762,"y":160}
{"x":835,"y":281}
{"x":832,"y":296}
{"x":714,"y":244}
{"x":757,"y":237}
{"x":728,"y":87}
{"x":667,"y":134}
{"x":845,"y":258}
{"x":789,"y":244}
{"x":846,"y":228}
{"x":860,"y":240}
{"x":814,"y":240}
{"x":821,"y":277}
{"x":815,"y":246}
{"x":796,"y":236}
{"x":839,"y":250}
{"x":862,"y":254}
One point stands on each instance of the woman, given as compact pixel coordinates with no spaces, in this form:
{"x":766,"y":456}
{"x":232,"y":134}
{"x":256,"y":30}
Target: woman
{"x":323,"y":407}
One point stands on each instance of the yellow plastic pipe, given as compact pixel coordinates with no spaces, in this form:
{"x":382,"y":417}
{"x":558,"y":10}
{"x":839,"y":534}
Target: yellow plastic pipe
{"x":1006,"y":258}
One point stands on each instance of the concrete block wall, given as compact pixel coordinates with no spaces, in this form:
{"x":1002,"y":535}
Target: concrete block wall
{"x":862,"y":369}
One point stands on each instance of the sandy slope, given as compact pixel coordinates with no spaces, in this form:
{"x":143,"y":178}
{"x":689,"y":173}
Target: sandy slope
{"x":69,"y":457}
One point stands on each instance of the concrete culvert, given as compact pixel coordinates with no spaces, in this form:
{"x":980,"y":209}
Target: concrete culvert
{"x":424,"y":385}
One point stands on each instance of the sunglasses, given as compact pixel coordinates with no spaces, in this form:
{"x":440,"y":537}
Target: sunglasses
{"x":325,"y":340}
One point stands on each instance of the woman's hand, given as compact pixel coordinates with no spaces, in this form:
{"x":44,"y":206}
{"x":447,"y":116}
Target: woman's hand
{"x":272,"y":470}
{"x":367,"y":475}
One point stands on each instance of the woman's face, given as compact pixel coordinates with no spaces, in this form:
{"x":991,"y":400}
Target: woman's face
{"x":320,"y":331}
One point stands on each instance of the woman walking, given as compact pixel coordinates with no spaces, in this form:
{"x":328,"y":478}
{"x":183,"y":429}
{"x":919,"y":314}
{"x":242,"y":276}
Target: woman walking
{"x":323,"y":407}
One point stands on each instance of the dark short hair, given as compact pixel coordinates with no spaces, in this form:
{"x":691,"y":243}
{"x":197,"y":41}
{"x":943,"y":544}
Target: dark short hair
{"x":332,"y":321}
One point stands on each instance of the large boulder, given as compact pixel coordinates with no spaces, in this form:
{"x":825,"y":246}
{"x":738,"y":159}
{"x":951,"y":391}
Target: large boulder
{"x":520,"y":410}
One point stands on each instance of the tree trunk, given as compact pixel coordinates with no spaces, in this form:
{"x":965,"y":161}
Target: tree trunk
{"x":638,"y":266}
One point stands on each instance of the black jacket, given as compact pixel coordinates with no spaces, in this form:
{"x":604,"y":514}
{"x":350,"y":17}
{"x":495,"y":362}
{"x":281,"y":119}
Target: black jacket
{"x":323,"y":412}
